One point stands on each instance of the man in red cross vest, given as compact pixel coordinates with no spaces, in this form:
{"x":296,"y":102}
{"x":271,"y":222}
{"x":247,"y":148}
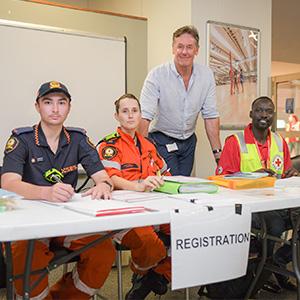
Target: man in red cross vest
{"x":259,"y":149}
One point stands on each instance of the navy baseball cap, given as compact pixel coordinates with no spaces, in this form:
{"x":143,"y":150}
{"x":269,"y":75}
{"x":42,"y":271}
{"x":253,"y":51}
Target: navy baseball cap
{"x":52,"y":87}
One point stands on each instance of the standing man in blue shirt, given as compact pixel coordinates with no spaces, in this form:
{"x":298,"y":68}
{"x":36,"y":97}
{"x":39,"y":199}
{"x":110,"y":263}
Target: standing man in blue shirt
{"x":173,"y":95}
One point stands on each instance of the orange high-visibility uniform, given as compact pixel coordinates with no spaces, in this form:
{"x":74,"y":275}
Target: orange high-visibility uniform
{"x":122,"y":157}
{"x":88,"y":275}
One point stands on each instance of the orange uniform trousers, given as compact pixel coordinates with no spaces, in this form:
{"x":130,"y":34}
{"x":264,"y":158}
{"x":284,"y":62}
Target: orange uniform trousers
{"x":147,"y":251}
{"x":89,"y":274}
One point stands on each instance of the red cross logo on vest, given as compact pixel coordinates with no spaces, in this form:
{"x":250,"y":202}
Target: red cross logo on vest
{"x":277,"y":162}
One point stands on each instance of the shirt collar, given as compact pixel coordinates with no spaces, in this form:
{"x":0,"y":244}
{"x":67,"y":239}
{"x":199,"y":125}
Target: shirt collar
{"x":40,"y":139}
{"x":173,"y":68}
{"x":125,"y":136}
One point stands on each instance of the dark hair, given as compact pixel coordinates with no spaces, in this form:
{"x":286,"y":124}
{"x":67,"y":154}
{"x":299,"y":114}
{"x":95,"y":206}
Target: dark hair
{"x":130,"y":96}
{"x":187,"y":29}
{"x":262,"y":98}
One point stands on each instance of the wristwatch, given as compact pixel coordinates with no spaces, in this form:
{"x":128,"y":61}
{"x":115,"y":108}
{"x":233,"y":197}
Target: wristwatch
{"x":215,"y":151}
{"x":109,"y":184}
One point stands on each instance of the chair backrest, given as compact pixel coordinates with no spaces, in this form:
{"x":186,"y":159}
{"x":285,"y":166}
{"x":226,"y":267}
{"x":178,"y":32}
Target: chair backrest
{"x":2,"y":269}
{"x":296,"y":162}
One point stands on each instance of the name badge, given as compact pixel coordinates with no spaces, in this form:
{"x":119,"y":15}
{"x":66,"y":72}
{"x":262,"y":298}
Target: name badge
{"x":172,"y":147}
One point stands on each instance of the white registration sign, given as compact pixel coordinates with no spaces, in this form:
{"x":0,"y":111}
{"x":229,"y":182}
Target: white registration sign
{"x":209,"y":245}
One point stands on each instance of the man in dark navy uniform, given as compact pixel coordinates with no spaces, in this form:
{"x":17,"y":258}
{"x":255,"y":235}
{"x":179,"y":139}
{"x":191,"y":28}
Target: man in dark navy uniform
{"x":30,"y":154}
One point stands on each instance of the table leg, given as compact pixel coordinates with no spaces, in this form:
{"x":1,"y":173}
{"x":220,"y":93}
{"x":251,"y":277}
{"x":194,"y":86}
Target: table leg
{"x":27,"y":271}
{"x":9,"y":271}
{"x":260,"y":267}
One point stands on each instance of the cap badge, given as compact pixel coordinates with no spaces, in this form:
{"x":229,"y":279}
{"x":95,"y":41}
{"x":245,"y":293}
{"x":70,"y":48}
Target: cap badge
{"x":54,"y":85}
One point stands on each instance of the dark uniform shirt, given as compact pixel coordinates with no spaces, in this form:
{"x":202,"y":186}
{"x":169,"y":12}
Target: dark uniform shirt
{"x":27,"y":153}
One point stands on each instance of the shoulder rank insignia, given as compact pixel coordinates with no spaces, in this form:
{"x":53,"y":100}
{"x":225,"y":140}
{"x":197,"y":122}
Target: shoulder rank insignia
{"x":11,"y":144}
{"x":77,"y":129}
{"x":21,"y":130}
{"x":111,"y":136}
{"x":150,"y":140}
{"x":109,"y":152}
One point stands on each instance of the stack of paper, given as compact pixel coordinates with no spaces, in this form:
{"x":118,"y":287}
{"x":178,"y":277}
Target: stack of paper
{"x":246,"y":175}
{"x":132,"y":196}
{"x":4,"y":194}
{"x":292,"y":182}
{"x":7,"y":200}
{"x":99,"y":208}
{"x":184,"y":184}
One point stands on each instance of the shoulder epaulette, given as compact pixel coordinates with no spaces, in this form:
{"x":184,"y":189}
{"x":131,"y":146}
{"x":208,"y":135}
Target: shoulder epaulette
{"x":151,"y":141}
{"x":77,"y":129}
{"x":111,"y":138}
{"x":22,"y":130}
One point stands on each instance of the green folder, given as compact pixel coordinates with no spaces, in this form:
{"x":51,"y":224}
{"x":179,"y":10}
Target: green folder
{"x":172,"y":187}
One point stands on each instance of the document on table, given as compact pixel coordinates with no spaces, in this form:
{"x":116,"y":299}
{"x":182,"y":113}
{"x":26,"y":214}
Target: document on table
{"x":186,"y":179}
{"x":97,"y":208}
{"x":292,"y":182}
{"x":4,"y":194}
{"x":76,"y":198}
{"x":132,"y":196}
{"x":246,"y":175}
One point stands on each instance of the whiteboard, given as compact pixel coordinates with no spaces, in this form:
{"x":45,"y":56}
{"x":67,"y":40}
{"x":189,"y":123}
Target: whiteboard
{"x":93,"y":69}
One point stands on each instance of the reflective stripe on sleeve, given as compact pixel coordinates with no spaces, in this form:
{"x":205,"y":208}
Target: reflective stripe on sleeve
{"x":111,"y":164}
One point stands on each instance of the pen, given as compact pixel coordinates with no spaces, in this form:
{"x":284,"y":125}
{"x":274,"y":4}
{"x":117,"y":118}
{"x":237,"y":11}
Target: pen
{"x":56,"y":178}
{"x":158,"y":173}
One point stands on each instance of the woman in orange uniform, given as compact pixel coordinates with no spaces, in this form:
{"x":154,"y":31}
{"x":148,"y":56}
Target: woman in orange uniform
{"x":133,"y":163}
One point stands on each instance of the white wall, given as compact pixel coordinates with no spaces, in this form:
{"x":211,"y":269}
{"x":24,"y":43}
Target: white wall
{"x":254,"y":13}
{"x":165,"y":16}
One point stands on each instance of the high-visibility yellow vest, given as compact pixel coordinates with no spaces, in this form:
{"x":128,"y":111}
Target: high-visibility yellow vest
{"x":250,"y":158}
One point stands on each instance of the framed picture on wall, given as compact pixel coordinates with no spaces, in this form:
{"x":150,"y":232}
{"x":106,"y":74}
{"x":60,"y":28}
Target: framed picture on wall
{"x":233,"y":56}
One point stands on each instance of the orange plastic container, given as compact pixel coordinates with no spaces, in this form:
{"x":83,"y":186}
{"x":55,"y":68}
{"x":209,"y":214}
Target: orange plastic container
{"x":241,"y":184}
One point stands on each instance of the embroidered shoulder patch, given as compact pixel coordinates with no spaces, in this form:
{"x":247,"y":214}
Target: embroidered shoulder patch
{"x":109,"y":152}
{"x":11,"y":144}
{"x":90,"y":142}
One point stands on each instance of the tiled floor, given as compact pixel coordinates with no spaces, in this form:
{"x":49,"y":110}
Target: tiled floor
{"x":109,"y":290}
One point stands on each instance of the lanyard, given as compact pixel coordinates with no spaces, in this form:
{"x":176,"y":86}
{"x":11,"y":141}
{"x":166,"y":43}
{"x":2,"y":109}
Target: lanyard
{"x":265,"y":163}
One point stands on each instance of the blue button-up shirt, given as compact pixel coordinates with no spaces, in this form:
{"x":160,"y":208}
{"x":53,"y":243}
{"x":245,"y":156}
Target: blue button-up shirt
{"x":174,"y":108}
